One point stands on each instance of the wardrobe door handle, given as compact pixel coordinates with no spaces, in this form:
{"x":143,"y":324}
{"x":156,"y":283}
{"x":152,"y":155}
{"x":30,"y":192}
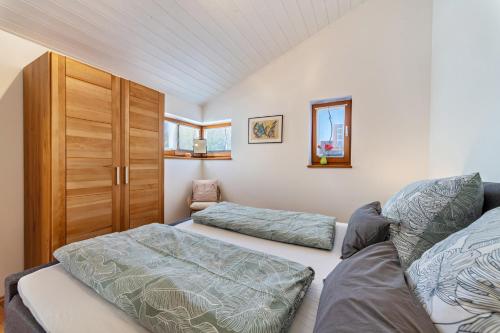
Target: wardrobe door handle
{"x":126,"y":174}
{"x":117,"y":176}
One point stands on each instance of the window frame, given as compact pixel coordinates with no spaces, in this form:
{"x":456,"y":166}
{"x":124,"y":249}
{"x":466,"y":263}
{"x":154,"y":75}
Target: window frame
{"x":178,"y":153}
{"x":222,"y":153}
{"x":332,"y":162}
{"x":165,"y":151}
{"x":178,"y":135}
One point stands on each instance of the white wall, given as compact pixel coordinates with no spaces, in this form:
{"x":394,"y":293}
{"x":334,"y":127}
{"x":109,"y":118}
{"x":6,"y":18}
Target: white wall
{"x":180,"y":173}
{"x":380,"y":54}
{"x":465,"y":102}
{"x":16,"y":53}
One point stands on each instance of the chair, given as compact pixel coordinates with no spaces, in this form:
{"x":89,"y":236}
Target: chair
{"x":205,"y":193}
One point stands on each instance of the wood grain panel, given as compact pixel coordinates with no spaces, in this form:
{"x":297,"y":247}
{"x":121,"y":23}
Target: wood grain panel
{"x":161,"y":165}
{"x":143,"y":144}
{"x":144,"y":174}
{"x":37,"y":162}
{"x":92,"y":152}
{"x":88,"y":139}
{"x":87,"y":73}
{"x":89,"y":176}
{"x":89,"y":215}
{"x":88,"y":101}
{"x":117,"y":142}
{"x":143,"y":114}
{"x":72,"y":148}
{"x":125,"y":150}
{"x":58,"y":146}
{"x":144,"y":207}
{"x":89,"y":234}
{"x":144,"y":93}
{"x":144,"y":154}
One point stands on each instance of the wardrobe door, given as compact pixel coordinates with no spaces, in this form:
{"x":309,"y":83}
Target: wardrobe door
{"x":92,"y":152}
{"x":142,"y":112}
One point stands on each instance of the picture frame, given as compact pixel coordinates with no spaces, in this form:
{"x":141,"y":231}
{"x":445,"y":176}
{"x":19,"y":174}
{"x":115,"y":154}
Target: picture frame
{"x":266,"y":129}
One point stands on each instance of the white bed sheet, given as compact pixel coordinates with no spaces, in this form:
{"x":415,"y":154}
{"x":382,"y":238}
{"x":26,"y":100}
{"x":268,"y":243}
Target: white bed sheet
{"x":61,"y":303}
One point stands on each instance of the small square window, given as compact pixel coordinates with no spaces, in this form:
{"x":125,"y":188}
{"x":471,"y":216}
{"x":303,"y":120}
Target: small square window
{"x":186,"y":136}
{"x":218,"y":138}
{"x":330,"y":123}
{"x":170,"y":134}
{"x":331,"y":134}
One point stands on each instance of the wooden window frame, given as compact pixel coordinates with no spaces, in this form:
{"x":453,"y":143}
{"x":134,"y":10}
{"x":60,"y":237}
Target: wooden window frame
{"x":178,"y":152}
{"x":181,"y":154}
{"x":332,"y":162}
{"x":225,"y":153}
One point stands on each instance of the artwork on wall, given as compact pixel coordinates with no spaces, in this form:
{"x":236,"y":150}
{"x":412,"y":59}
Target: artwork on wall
{"x":267,"y":129}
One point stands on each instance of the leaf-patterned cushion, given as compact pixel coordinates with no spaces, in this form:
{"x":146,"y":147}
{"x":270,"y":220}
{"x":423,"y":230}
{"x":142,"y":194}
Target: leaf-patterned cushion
{"x":458,"y":279}
{"x":426,"y":212}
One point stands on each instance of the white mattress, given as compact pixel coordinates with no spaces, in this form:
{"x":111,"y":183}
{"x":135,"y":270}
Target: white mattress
{"x":60,"y":303}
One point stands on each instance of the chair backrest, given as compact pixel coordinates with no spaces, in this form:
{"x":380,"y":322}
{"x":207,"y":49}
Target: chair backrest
{"x":491,"y":196}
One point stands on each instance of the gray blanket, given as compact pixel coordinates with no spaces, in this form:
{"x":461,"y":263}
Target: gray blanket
{"x":172,"y":280}
{"x":312,"y":230}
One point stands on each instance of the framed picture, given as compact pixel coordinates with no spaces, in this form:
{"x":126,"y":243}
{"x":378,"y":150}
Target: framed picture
{"x":267,"y":129}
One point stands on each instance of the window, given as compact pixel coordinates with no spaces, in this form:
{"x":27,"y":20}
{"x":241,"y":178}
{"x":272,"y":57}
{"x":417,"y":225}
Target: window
{"x":331,"y":134}
{"x":179,"y":137}
{"x":218,"y":137}
{"x":186,"y":136}
{"x":170,"y":135}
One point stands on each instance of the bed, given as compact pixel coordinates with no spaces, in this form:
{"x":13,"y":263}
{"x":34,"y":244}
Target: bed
{"x":42,"y":297}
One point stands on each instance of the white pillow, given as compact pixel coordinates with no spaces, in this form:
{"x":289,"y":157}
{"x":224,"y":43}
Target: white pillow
{"x":458,"y":279}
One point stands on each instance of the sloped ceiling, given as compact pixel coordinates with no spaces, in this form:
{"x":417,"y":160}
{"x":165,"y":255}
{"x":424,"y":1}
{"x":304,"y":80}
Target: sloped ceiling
{"x":194,"y":49}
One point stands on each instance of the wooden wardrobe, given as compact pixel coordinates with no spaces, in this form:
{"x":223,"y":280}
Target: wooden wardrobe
{"x":93,"y":155}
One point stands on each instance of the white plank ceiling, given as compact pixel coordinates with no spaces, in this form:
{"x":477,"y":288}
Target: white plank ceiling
{"x":194,"y":49}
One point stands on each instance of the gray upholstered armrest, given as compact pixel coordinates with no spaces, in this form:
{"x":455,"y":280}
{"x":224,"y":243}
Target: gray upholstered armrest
{"x":12,"y":280}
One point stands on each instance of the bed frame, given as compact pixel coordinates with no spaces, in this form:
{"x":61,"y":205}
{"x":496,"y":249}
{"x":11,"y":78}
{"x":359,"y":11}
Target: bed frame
{"x":18,"y":319}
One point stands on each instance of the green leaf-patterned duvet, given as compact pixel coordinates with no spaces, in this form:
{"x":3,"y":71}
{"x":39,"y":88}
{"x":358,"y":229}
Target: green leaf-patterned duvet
{"x":306,"y":229}
{"x":172,"y":280}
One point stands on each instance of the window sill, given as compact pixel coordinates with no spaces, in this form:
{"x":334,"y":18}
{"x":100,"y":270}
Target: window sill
{"x":331,"y":166}
{"x":227,"y":158}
